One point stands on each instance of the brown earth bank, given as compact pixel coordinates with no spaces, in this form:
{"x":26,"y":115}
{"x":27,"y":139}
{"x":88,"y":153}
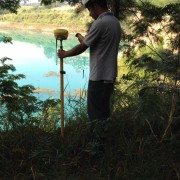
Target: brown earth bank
{"x":40,"y":27}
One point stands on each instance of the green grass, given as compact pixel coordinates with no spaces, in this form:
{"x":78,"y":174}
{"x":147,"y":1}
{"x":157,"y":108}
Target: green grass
{"x":31,"y":15}
{"x":32,"y":153}
{"x":130,"y":149}
{"x":162,"y":2}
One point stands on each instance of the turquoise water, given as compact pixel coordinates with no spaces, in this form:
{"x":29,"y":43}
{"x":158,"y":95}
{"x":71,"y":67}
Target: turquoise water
{"x":34,"y":55}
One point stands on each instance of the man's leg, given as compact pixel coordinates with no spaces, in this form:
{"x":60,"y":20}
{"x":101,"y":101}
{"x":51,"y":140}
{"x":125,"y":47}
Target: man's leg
{"x":99,"y":94}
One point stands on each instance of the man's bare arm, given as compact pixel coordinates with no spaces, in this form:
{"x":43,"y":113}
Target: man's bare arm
{"x":80,"y":48}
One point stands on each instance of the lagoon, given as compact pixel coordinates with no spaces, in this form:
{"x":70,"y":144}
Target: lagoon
{"x":34,"y":55}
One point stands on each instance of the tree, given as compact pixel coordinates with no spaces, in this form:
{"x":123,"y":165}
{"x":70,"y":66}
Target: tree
{"x":10,"y":5}
{"x":12,"y":113}
{"x":151,"y":47}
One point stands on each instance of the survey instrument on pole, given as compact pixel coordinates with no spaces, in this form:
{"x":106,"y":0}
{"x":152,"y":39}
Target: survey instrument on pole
{"x":61,"y":34}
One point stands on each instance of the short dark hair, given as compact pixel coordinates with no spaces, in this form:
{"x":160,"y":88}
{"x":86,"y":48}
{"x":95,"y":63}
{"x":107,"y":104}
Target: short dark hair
{"x":101,"y":3}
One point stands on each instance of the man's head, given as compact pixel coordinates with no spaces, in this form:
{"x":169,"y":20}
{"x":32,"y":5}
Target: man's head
{"x":95,"y":7}
{"x":90,"y":3}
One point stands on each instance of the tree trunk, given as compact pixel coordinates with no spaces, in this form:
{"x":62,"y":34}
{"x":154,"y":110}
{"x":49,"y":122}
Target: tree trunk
{"x":115,"y":7}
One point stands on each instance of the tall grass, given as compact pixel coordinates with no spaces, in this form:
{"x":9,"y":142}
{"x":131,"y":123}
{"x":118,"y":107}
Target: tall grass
{"x":161,"y":2}
{"x":130,"y":149}
{"x":41,"y":16}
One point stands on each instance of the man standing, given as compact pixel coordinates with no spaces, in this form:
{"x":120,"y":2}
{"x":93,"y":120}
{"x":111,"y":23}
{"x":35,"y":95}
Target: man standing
{"x":103,"y":40}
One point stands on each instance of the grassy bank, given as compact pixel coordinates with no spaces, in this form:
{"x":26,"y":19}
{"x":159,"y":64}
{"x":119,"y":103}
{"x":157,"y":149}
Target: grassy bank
{"x":127,"y":154}
{"x":40,"y":18}
{"x":140,"y":142}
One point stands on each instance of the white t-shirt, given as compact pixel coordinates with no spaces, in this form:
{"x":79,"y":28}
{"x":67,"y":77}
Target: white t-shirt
{"x":103,"y":39}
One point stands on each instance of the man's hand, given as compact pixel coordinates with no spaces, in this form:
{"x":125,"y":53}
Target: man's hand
{"x":80,"y":37}
{"x":62,"y":53}
{"x":72,"y":52}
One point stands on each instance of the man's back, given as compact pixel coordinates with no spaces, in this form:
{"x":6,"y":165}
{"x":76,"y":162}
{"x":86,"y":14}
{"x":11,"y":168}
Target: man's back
{"x":103,"y":40}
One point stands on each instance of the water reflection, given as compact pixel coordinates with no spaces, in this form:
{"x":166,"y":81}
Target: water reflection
{"x":34,"y":54}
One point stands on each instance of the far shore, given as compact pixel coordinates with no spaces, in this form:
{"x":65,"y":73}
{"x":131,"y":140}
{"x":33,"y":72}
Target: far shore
{"x":39,"y":27}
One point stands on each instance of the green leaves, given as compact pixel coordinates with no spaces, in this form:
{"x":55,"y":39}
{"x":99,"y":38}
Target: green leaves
{"x":17,"y":102}
{"x":11,"y":5}
{"x":152,"y":47}
{"x":47,"y":2}
{"x":150,"y":104}
{"x":173,"y":11}
{"x":6,"y":39}
{"x":150,"y":12}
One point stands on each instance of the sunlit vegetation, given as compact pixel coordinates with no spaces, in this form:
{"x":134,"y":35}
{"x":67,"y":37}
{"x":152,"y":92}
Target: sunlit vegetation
{"x":63,"y":18}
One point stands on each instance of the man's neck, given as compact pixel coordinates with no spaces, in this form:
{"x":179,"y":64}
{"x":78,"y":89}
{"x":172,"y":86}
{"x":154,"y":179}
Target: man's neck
{"x":100,"y":11}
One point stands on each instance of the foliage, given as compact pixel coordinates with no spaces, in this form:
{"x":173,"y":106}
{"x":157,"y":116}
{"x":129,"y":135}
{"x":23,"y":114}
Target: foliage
{"x":32,"y":153}
{"x":154,"y":65}
{"x":11,"y":93}
{"x":40,"y":16}
{"x":6,"y":39}
{"x":29,"y":110}
{"x":10,"y":5}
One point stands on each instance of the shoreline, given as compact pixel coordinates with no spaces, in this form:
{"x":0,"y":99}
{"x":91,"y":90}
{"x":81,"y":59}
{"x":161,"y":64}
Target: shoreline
{"x":47,"y":28}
